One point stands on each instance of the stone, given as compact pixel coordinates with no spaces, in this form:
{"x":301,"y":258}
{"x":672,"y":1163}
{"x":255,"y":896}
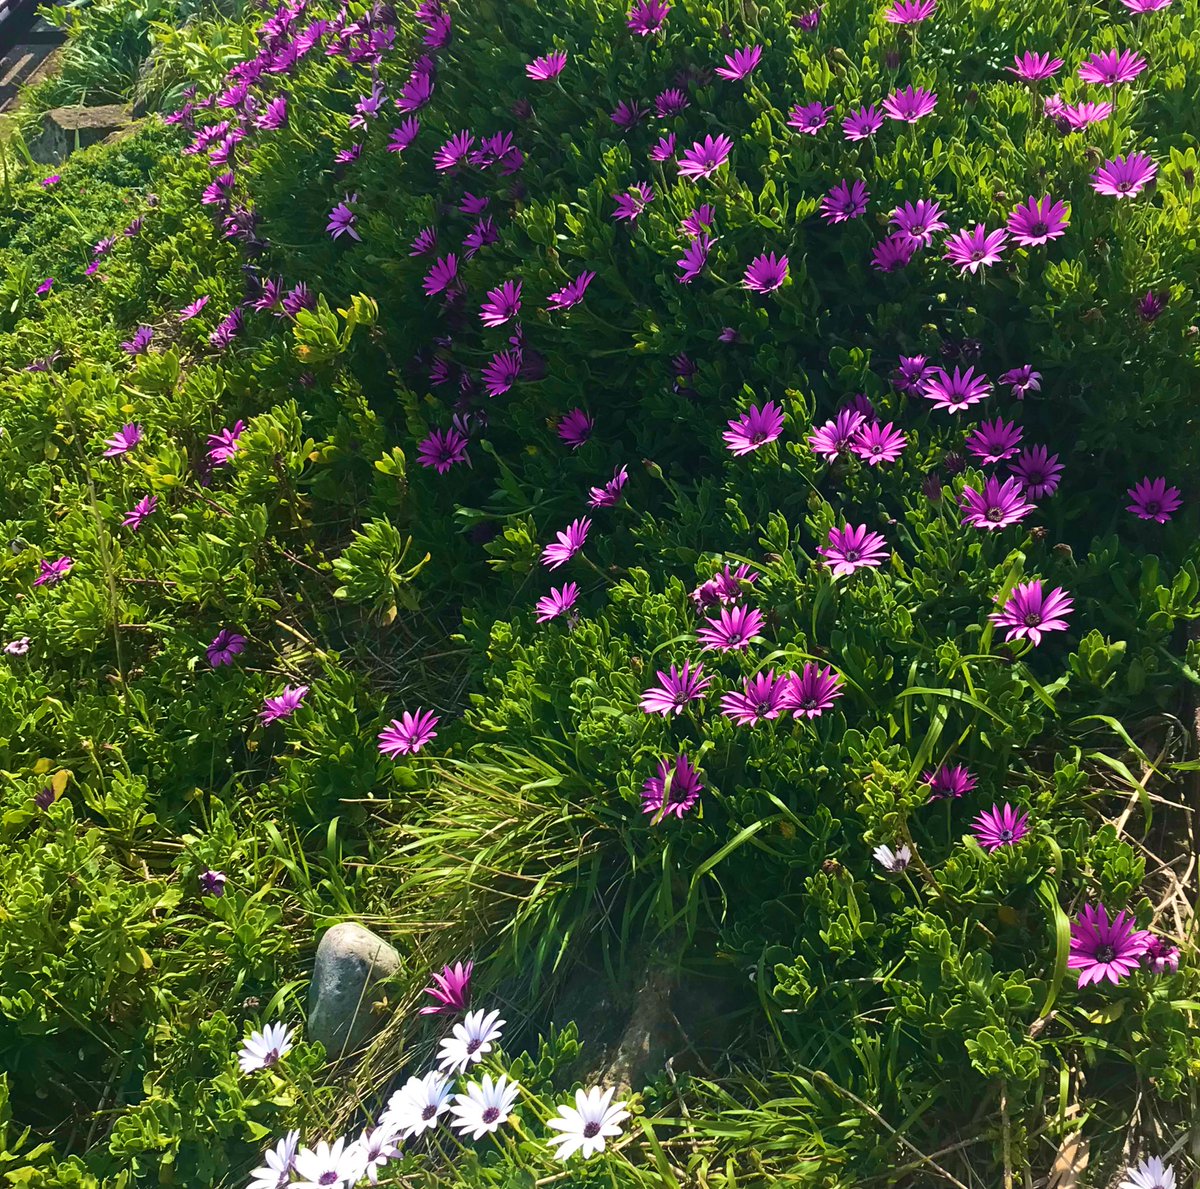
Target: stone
{"x":351,"y":963}
{"x":65,"y":129}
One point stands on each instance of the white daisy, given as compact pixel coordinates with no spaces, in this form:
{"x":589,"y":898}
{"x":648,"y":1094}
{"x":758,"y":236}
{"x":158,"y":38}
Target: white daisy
{"x":415,"y":1107}
{"x":262,"y":1049}
{"x":279,"y":1160}
{"x":376,"y":1146}
{"x":469,"y":1041}
{"x":891,"y":860}
{"x":328,"y":1166}
{"x":485,"y":1105}
{"x":1152,"y":1173}
{"x":588,"y":1124}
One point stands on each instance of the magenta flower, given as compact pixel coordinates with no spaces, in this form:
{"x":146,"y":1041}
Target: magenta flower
{"x":909,"y":105}
{"x":143,"y":508}
{"x":694,"y":259}
{"x":675,"y":789}
{"x":851,"y":548}
{"x":995,"y":440}
{"x":876,"y":443}
{"x":760,"y":699}
{"x":1029,"y":612}
{"x":675,"y":690}
{"x":609,"y":496}
{"x":1103,"y":949}
{"x":567,"y":543}
{"x":740,"y":63}
{"x":732,"y":630}
{"x":454,"y":152}
{"x":1161,"y":956}
{"x":997,"y":506}
{"x":50,"y":572}
{"x":705,"y":157}
{"x":664,"y":150}
{"x":918,"y":220}
{"x":1081,"y":115}
{"x":52,"y":180}
{"x":724,"y":587}
{"x":441,"y":276}
{"x":809,"y":118}
{"x":407,"y":734}
{"x":998,"y":827}
{"x":893,"y":253}
{"x":911,"y":373}
{"x":558,"y":602}
{"x":140,"y":343}
{"x":1022,"y":379}
{"x":501,"y":304}
{"x":547,"y":67}
{"x":813,"y":691}
{"x":342,"y":219}
{"x":765,"y":273}
{"x":670,"y":103}
{"x":575,"y":428}
{"x":570,"y":294}
{"x":1037,"y":471}
{"x":754,"y":428}
{"x":1124,"y":177}
{"x":18,"y":647}
{"x":1153,"y":500}
{"x":648,"y":16}
{"x":501,"y":371}
{"x":1112,"y":67}
{"x":1033,"y":67}
{"x":626,"y":115}
{"x":808,"y":21}
{"x":909,"y":12}
{"x":699,"y":221}
{"x":442,"y":449}
{"x":450,"y":990}
{"x":45,"y":287}
{"x":1152,"y":305}
{"x":212,"y":883}
{"x":481,"y":235}
{"x":274,"y":115}
{"x":837,"y":436}
{"x":191,"y":310}
{"x":283,"y":705}
{"x":223,"y":444}
{"x":974,"y":249}
{"x":862,"y":123}
{"x":123,"y":440}
{"x":957,"y":391}
{"x":1038,"y":221}
{"x":1136,"y":6}
{"x":225,"y":646}
{"x":635,"y":200}
{"x":949,"y":780}
{"x":846,"y":200}
{"x":404,"y":134}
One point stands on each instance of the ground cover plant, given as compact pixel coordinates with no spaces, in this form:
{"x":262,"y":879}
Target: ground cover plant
{"x":681,"y":517}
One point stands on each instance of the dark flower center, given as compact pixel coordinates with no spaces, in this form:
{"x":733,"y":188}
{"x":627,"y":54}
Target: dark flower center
{"x":1152,"y":505}
{"x":271,"y":1057}
{"x":591,"y":1130}
{"x":329,"y":1178}
{"x":1006,"y":835}
{"x":852,"y":555}
{"x":809,"y":703}
{"x":763,"y":708}
{"x":428,"y":1113}
{"x":759,"y":437}
{"x":1032,"y":619}
{"x":491,"y":1114}
{"x":995,"y":514}
{"x":474,"y":1043}
{"x":1039,"y":229}
{"x":1105,"y":953}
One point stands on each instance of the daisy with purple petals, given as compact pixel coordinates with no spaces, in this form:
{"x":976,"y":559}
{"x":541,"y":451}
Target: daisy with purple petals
{"x":558,"y":602}
{"x":664,"y":150}
{"x":450,"y":990}
{"x":909,"y":12}
{"x":847,"y":200}
{"x":442,"y":449}
{"x":1124,"y":177}
{"x":567,"y":543}
{"x":609,"y":496}
{"x":740,"y":63}
{"x":404,"y":134}
{"x":139,"y":512}
{"x":454,"y":152}
{"x":732,"y":630}
{"x":997,"y":827}
{"x":1135,"y":6}
{"x":997,"y":506}
{"x":575,"y":428}
{"x":760,"y":699}
{"x":226,"y":644}
{"x":852,"y":548}
{"x":407,"y":734}
{"x":192,"y":309}
{"x":955,"y":391}
{"x":893,"y":253}
{"x":754,"y":428}
{"x":1029,"y":611}
{"x":705,"y":157}
{"x":1111,"y":67}
{"x":862,"y":123}
{"x":570,"y":294}
{"x":1105,"y":949}
{"x":625,"y":115}
{"x":1038,"y":221}
{"x":343,"y":218}
{"x":812,"y":691}
{"x":694,"y":259}
{"x":674,"y":790}
{"x":918,"y":220}
{"x":910,"y":104}
{"x":675,"y":690}
{"x":1022,"y":379}
{"x":974,"y":249}
{"x":51,"y":572}
{"x":441,"y":276}
{"x":424,"y":242}
{"x":809,"y":118}
{"x":1153,"y":500}
{"x":501,"y":304}
{"x":699,"y":221}
{"x":481,"y":235}
{"x":911,"y":373}
{"x":648,"y":16}
{"x":1161,"y":956}
{"x":547,"y":67}
{"x":670,"y":103}
{"x":994,"y":441}
{"x":635,"y":200}
{"x":949,"y":780}
{"x":501,"y":371}
{"x":1032,"y":67}
{"x":140,"y":343}
{"x":283,"y":705}
{"x":1152,"y":305}
{"x":1037,"y":471}
{"x":1082,"y":115}
{"x":875,"y":443}
{"x":765,"y":273}
{"x":837,"y":436}
{"x":123,"y":440}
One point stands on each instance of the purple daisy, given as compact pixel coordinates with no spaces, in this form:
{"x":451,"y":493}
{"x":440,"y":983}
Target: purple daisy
{"x":1082,"y":115}
{"x":1105,"y":949}
{"x":724,"y":587}
{"x":1161,"y":956}
{"x":1124,"y":177}
{"x":566,"y":543}
{"x":283,"y":705}
{"x":732,"y":630}
{"x":809,"y":118}
{"x":893,"y":253}
{"x":635,"y":200}
{"x":343,"y":218}
{"x":575,"y":428}
{"x":406,"y":735}
{"x":675,"y":689}
{"x":1029,"y":612}
{"x":740,"y":63}
{"x":1144,"y":6}
{"x":140,"y":343}
{"x":570,"y":294}
{"x":670,"y":103}
{"x":454,"y":152}
{"x":910,"y":104}
{"x":674,"y":790}
{"x":918,"y":220}
{"x":442,"y":449}
{"x":627,"y":114}
{"x":705,"y":157}
{"x":664,"y":150}
{"x":812,"y":691}
{"x":609,"y":496}
{"x":1152,"y":305}
{"x":1033,"y":67}
{"x":404,"y":134}
{"x":123,"y":440}
{"x":852,"y":548}
{"x":837,"y":436}
{"x":760,"y":699}
{"x":190,"y":311}
{"x":911,"y":373}
{"x":955,"y":391}
{"x":846,"y":200}
{"x":226,"y":644}
{"x":694,"y":259}
{"x":997,"y":827}
{"x":441,"y":276}
{"x":994,"y":441}
{"x":1038,"y":221}
{"x":997,"y":506}
{"x":699,"y":221}
{"x":1022,"y":379}
{"x":45,"y":287}
{"x":501,"y":304}
{"x":754,"y":429}
{"x":648,"y":16}
{"x":909,"y":12}
{"x":1037,"y":471}
{"x":501,"y":371}
{"x":51,"y":572}
{"x":139,"y":512}
{"x":973,"y":249}
{"x":547,"y":67}
{"x":765,"y":273}
{"x":1112,"y":67}
{"x":558,"y":602}
{"x":450,"y":990}
{"x":862,"y":123}
{"x":1153,"y":500}
{"x":212,"y":883}
{"x":949,"y":780}
{"x":875,"y":443}
{"x":223,"y":444}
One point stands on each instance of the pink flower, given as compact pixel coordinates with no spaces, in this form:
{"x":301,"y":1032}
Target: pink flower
{"x":851,"y":548}
{"x":558,"y":602}
{"x":754,"y":428}
{"x":732,"y":630}
{"x":575,"y":428}
{"x":450,"y":990}
{"x":283,"y":705}
{"x":407,"y":734}
{"x":675,"y":690}
{"x":567,"y":543}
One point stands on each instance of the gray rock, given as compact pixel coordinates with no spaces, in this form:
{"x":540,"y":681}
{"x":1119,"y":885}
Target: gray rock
{"x":351,"y":962}
{"x":65,"y":129}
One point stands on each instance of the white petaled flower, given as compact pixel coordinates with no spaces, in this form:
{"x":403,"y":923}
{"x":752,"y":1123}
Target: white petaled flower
{"x":469,"y":1041}
{"x":891,"y":860}
{"x":263,"y":1049}
{"x":415,"y":1107}
{"x":279,"y":1159}
{"x":485,"y":1105}
{"x":328,"y":1166}
{"x":1152,"y":1173}
{"x":376,"y":1146}
{"x":588,"y":1125}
